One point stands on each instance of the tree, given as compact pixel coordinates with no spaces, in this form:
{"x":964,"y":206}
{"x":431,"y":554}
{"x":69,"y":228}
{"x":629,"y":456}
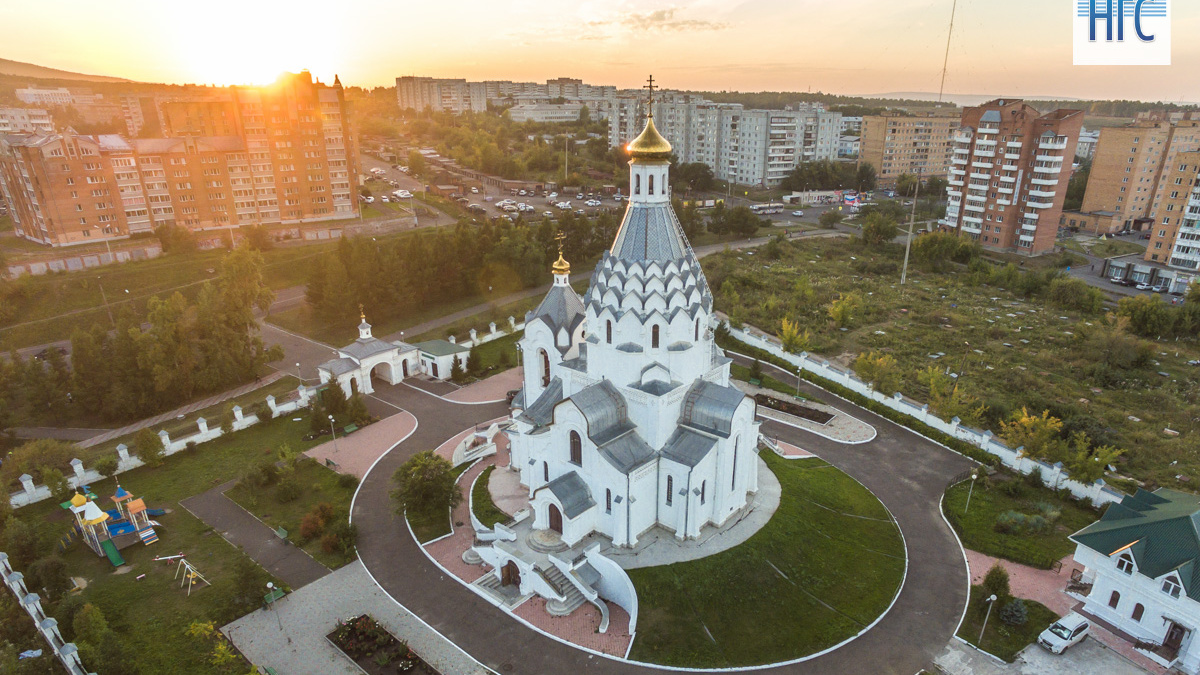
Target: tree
{"x":585,"y":115}
{"x":149,"y":447}
{"x":1014,"y":613}
{"x":416,"y":163}
{"x":60,"y":489}
{"x":333,"y":399}
{"x":35,"y":456}
{"x":426,"y":484}
{"x":356,"y":410}
{"x":949,"y":400}
{"x":457,"y":372}
{"x":936,"y":186}
{"x":49,"y":573}
{"x":830,"y":218}
{"x":696,"y":176}
{"x":995,"y":582}
{"x":1148,"y":315}
{"x":791,"y":336}
{"x":1037,"y":434}
{"x":935,"y":250}
{"x":1087,"y":464}
{"x":878,"y":230}
{"x":106,"y":466}
{"x":844,"y":310}
{"x":474,"y":362}
{"x":740,"y":220}
{"x":906,"y":184}
{"x":258,"y":237}
{"x":878,"y":369}
{"x":1077,"y":186}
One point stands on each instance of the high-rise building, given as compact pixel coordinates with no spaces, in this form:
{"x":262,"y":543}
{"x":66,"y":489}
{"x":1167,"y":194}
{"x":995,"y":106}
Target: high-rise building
{"x":441,"y":95}
{"x":1131,"y":176}
{"x":286,"y":155}
{"x":896,"y":144}
{"x":59,"y":96}
{"x":25,"y":120}
{"x":1009,"y":173}
{"x":1175,"y":232}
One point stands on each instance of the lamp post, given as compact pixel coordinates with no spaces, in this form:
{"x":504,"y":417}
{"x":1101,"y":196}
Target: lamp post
{"x":798,"y":369}
{"x":298,"y":375}
{"x":271,"y":602}
{"x":104,"y":296}
{"x":971,"y":490}
{"x":990,"y":601}
{"x":962,"y":367}
{"x":332,"y":430}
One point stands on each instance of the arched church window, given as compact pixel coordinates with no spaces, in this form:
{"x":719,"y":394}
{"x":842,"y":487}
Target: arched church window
{"x":654,"y":337}
{"x":703,"y":485}
{"x":733,"y":480}
{"x":1138,"y":610}
{"x":1114,"y":599}
{"x":607,"y":500}
{"x":670,"y":489}
{"x":650,"y":184}
{"x":608,"y":331}
{"x":576,"y":449}
{"x":637,"y":184}
{"x":545,"y":472}
{"x":545,"y":367}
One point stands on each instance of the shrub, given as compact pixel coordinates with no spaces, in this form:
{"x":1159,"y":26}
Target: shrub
{"x":106,"y":466}
{"x":1036,"y":524}
{"x":149,"y":447}
{"x":60,"y":489}
{"x":1012,"y":488}
{"x":426,"y":482}
{"x":288,"y":491}
{"x":1015,"y":613}
{"x":262,"y":411}
{"x":329,"y":542}
{"x":33,"y":457}
{"x":261,"y":475}
{"x":347,"y":481}
{"x":311,"y":525}
{"x":995,"y":582}
{"x":49,"y":573}
{"x":1009,"y":522}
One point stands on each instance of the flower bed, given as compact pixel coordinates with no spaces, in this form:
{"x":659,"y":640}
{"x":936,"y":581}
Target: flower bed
{"x":374,"y":649}
{"x":797,"y":409}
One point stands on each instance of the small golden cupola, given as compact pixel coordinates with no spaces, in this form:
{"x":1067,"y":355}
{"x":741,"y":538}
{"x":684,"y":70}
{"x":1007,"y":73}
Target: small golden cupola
{"x":649,"y":144}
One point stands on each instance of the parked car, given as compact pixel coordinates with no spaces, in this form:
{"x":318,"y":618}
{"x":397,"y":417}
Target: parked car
{"x":548,"y":214}
{"x":370,"y":200}
{"x":579,"y":196}
{"x":1067,"y":631}
{"x":798,"y":214}
{"x":404,"y":169}
{"x":1144,"y":287}
{"x":474,"y":190}
{"x":384,"y":199}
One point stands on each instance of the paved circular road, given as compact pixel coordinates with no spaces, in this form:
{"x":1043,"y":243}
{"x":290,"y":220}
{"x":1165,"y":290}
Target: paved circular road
{"x":906,"y":471}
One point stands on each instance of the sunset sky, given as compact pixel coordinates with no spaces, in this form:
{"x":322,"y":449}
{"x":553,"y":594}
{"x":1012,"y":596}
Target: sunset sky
{"x":1000,"y":47}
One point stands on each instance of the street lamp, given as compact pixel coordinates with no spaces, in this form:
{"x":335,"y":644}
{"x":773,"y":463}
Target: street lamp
{"x":971,"y":490}
{"x":104,"y":296}
{"x":298,"y":375}
{"x":798,"y":369}
{"x":332,"y":430}
{"x":271,"y":602}
{"x":990,"y":601}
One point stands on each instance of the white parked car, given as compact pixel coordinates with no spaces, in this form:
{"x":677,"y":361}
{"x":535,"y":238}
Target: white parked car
{"x":592,"y":202}
{"x":521,"y":192}
{"x":384,"y":199}
{"x":370,"y":200}
{"x":552,"y":196}
{"x":474,"y":190}
{"x":798,"y":214}
{"x":1143,"y":287}
{"x":403,"y":194}
{"x":548,"y":214}
{"x":404,"y":169}
{"x":1067,"y":631}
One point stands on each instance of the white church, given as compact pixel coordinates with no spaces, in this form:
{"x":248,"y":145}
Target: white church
{"x":627,"y":419}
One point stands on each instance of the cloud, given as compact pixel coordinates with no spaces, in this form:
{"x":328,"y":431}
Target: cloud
{"x":661,"y":21}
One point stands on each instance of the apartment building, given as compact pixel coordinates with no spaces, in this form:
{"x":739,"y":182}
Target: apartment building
{"x":25,"y":120}
{"x":292,"y":160}
{"x":546,"y":112}
{"x":896,"y":144}
{"x":1087,"y":143}
{"x":1131,"y":174}
{"x":1174,"y":240}
{"x":441,"y":95}
{"x":1007,"y":182}
{"x":59,"y":96}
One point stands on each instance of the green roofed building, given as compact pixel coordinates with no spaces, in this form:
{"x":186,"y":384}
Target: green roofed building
{"x":1142,"y":559}
{"x":438,"y":357}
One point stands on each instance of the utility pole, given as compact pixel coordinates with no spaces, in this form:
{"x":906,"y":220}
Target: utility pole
{"x":108,"y":309}
{"x":908,"y":243}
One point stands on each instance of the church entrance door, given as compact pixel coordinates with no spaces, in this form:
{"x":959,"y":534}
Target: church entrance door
{"x":555,"y":519}
{"x":510,"y":575}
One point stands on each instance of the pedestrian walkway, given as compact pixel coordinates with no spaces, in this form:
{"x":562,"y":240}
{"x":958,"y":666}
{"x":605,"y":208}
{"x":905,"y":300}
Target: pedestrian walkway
{"x":185,"y":410}
{"x":1088,"y":657}
{"x":290,"y":638}
{"x":354,"y":454}
{"x":277,"y":555}
{"x":494,"y":388}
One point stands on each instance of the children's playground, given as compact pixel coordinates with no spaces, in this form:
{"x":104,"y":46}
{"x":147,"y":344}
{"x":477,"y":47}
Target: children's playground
{"x":107,"y":531}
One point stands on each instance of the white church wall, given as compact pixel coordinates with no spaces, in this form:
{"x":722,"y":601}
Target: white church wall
{"x":644,"y":507}
{"x":614,"y":585}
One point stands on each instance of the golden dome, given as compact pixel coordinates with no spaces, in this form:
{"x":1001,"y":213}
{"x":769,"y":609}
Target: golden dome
{"x":561,"y":266}
{"x":650,"y":144}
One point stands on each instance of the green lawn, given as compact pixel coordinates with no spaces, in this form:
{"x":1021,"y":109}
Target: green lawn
{"x":481,"y":501}
{"x":433,"y":523}
{"x":318,"y":484}
{"x":1114,"y":247}
{"x":827,"y":564}
{"x":151,"y":615}
{"x":1000,"y":638}
{"x":1037,"y":548}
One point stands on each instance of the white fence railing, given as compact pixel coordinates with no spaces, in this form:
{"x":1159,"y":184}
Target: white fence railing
{"x":65,"y":652}
{"x":1053,"y":475}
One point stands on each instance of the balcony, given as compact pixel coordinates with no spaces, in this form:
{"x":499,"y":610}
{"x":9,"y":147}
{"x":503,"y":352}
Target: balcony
{"x":978,"y":208}
{"x":954,"y":193}
{"x":1008,"y":179}
{"x":981,"y":175}
{"x":1005,"y":190}
{"x":1053,"y":145}
{"x":977,"y":197}
{"x":1013,"y":144}
{"x":1031,"y":217}
{"x":1007,"y":166}
{"x":955,"y":183}
{"x":959,"y":161}
{"x":1026,"y":237}
{"x":1049,"y":158}
{"x":971,"y":227}
{"x":962,"y":151}
{"x":1039,"y":204}
{"x":1047,"y":169}
{"x":989,"y":130}
{"x":981,"y":165}
{"x":1044,"y":181}
{"x":988,"y":142}
{"x":1012,"y":155}
{"x":985,"y":153}
{"x":956,"y":172}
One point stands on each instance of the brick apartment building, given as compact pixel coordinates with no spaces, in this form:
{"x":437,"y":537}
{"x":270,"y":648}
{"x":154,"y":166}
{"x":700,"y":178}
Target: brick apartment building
{"x":1009,"y":173}
{"x":899,"y":144}
{"x":279,"y":154}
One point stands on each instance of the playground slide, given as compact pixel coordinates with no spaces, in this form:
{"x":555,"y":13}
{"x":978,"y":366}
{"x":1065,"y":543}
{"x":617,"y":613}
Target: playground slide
{"x":110,"y":550}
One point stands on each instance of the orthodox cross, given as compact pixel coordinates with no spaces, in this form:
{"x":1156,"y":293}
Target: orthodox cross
{"x":650,"y":86}
{"x":362,"y":314}
{"x":561,"y":237}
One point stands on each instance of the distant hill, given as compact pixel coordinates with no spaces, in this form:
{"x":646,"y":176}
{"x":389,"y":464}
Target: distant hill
{"x":19,"y":69}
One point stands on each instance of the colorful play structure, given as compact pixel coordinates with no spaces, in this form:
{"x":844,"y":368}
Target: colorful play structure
{"x":107,"y":531}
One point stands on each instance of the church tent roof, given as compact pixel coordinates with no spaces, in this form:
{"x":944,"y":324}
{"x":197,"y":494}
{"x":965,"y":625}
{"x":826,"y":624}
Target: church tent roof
{"x":688,"y":447}
{"x":561,"y":308}
{"x":710,"y":407}
{"x":627,"y":452}
{"x":541,"y":412}
{"x":649,"y":232}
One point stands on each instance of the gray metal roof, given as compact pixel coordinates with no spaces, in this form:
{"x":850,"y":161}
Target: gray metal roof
{"x":990,"y":116}
{"x":626,"y":452}
{"x":605,"y":410}
{"x":709,"y":407}
{"x":364,"y":348}
{"x":339,"y":366}
{"x":572,"y":493}
{"x":561,"y":308}
{"x":541,"y":412}
{"x":650,"y":232}
{"x":688,"y":447}
{"x":440,"y":347}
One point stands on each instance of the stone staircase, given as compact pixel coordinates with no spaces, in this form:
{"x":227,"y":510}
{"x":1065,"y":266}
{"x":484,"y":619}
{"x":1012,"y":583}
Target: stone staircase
{"x":560,"y":583}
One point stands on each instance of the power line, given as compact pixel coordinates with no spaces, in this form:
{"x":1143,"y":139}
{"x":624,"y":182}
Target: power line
{"x":946,"y":59}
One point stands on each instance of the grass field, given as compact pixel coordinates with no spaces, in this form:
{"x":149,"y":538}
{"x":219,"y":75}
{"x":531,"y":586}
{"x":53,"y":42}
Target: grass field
{"x":1012,"y":352}
{"x":317,"y":485}
{"x":481,"y":501}
{"x":1104,"y":249}
{"x":152,"y":614}
{"x":976,"y":527}
{"x":1000,"y":638}
{"x":769,"y":599}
